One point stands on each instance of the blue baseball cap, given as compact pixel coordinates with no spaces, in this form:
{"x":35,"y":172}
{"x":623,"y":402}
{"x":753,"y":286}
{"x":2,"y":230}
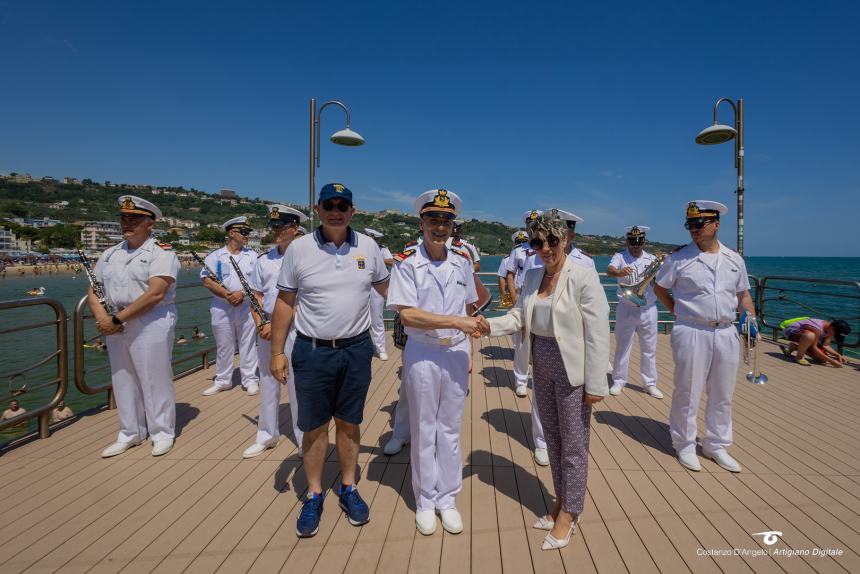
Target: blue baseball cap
{"x":335,"y":191}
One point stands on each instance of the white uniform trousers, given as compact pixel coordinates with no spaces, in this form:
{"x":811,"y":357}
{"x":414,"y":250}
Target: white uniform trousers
{"x":436,"y":379}
{"x":377,"y":324}
{"x":705,"y":359}
{"x":268,"y":426}
{"x":630,"y":320}
{"x":401,"y":415}
{"x":229,"y":326}
{"x":142,"y":376}
{"x":521,"y":377}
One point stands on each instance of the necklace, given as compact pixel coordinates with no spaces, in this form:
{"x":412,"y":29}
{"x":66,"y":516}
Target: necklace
{"x":549,"y":275}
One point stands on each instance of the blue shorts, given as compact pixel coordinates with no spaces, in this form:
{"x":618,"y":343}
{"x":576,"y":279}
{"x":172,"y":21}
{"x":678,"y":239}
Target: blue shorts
{"x":331,"y":381}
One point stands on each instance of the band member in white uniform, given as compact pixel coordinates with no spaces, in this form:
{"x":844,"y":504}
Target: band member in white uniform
{"x":377,"y":302}
{"x":461,"y":244}
{"x":709,"y":283}
{"x":430,"y":288}
{"x":628,"y":267}
{"x":285,"y":225}
{"x":231,"y":312}
{"x":139,"y":279}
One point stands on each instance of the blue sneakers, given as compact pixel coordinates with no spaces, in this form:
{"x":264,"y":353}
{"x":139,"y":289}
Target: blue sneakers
{"x":352,"y":504}
{"x":308,"y":523}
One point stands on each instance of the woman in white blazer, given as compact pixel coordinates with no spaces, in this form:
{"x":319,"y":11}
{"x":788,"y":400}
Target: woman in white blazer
{"x":564,"y":316}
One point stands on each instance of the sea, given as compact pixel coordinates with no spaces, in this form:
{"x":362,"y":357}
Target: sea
{"x":825,"y":287}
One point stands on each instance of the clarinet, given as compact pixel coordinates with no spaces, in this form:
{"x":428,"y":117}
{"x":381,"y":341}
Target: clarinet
{"x":206,"y":267}
{"x":264,"y":317}
{"x":96,"y":285}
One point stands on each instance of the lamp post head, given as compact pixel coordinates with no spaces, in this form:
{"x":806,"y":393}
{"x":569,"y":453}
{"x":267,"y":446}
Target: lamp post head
{"x":716,"y":134}
{"x":347,"y":137}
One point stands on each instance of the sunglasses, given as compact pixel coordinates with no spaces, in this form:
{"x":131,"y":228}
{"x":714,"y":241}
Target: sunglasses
{"x":537,"y":242}
{"x":636,"y":240}
{"x":698,"y":224}
{"x":244,"y":231}
{"x":330,"y":204}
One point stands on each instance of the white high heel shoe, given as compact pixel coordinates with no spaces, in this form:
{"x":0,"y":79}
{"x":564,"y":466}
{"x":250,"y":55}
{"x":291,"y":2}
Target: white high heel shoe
{"x":544,"y":523}
{"x":550,"y":542}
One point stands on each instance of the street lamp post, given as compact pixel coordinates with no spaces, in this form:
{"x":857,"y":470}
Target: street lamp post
{"x":345,"y":137}
{"x":719,"y":133}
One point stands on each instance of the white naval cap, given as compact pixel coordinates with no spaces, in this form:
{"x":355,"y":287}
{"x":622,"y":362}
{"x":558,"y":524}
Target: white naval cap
{"x":705,"y":208}
{"x":240,"y":221}
{"x":636,"y":230}
{"x":133,"y":205}
{"x":570,"y":218}
{"x":519,"y":235}
{"x":439,"y":201}
{"x":283,"y":214}
{"x":373,"y":233}
{"x":531,"y":215}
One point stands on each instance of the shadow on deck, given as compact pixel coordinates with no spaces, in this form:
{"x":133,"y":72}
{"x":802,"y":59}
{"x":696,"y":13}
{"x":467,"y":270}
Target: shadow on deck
{"x":202,"y":508}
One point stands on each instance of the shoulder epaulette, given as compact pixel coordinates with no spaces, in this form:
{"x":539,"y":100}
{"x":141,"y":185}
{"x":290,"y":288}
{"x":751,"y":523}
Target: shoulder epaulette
{"x":404,"y":255}
{"x":461,"y":252}
{"x":165,"y":246}
{"x":530,"y":252}
{"x":412,"y":243}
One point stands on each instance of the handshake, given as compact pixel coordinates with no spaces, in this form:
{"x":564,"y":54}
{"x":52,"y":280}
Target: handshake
{"x":473,"y":326}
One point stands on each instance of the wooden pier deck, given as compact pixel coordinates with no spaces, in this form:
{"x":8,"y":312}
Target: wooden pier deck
{"x":202,"y":508}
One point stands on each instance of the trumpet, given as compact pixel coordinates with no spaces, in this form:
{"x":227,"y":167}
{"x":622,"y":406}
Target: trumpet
{"x":750,"y":341}
{"x":635,"y":292}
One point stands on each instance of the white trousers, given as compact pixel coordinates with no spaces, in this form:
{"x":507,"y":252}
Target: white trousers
{"x":436,"y":379}
{"x":401,"y":415}
{"x":229,"y":326}
{"x":268,"y":426}
{"x":143,"y":377}
{"x":521,"y":377}
{"x":377,"y":324}
{"x":642,"y":321}
{"x":705,"y":359}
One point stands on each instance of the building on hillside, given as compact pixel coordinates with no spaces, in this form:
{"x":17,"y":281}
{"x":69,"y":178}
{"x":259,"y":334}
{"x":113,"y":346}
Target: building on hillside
{"x":38,"y":223}
{"x":179,"y":222}
{"x":9,"y":241}
{"x":99,"y":235}
{"x":228,"y":193}
{"x":71,"y":180}
{"x":49,"y":179}
{"x":22,"y":178}
{"x":59,"y":204}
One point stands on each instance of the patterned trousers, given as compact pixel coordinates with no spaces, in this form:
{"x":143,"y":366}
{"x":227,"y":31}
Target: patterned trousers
{"x":566,"y":421}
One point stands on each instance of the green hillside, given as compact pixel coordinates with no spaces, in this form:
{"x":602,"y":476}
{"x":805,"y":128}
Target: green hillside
{"x":92,"y":201}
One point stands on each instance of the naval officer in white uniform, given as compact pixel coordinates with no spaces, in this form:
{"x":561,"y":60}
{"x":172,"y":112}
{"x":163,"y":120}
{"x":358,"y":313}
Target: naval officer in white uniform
{"x":285,"y":225}
{"x":230,"y":310}
{"x":708,"y":283}
{"x":431,"y":287}
{"x":461,"y":244}
{"x":628,"y":267}
{"x":377,"y":301}
{"x":139,"y":279}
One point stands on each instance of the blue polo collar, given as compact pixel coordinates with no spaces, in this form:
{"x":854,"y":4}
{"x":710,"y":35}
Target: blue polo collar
{"x":351,"y":236}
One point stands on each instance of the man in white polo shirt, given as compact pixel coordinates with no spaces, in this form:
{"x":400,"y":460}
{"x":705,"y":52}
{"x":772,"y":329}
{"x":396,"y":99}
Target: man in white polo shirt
{"x":230,"y":309}
{"x":326,"y":280}
{"x":377,"y":302}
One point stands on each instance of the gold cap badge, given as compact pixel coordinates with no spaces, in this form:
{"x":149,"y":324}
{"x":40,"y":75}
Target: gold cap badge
{"x":441,"y":199}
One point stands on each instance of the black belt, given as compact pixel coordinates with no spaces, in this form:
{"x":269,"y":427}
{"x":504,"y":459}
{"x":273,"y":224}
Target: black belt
{"x":334,"y":343}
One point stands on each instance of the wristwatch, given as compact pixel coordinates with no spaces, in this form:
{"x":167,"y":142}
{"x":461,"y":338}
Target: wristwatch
{"x":115,"y":320}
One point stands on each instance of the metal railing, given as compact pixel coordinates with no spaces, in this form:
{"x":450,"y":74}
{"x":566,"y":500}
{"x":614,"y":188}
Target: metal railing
{"x":61,"y":380}
{"x":82,"y":313}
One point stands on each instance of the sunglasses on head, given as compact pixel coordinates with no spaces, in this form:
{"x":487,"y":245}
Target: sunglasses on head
{"x":330,"y":204}
{"x":537,"y":243}
{"x":698,"y":223}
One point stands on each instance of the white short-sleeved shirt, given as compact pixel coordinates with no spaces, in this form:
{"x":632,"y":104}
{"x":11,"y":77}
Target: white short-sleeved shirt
{"x":577,"y":256}
{"x":464,"y":245}
{"x":265,"y":277}
{"x":439,"y":287}
{"x":704,"y":291}
{"x":516,"y":263}
{"x":125,"y":273}
{"x":533,"y":260}
{"x":503,"y":267}
{"x":332,"y":283}
{"x":624,"y":259}
{"x":386,"y":253}
{"x":219,"y":262}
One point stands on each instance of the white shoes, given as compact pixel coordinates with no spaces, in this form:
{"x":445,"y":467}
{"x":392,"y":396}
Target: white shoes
{"x":425,"y":521}
{"x":214,"y":390}
{"x":451,"y":520}
{"x":394,"y":445}
{"x":521,"y":390}
{"x":544,"y":523}
{"x":253,"y":389}
{"x":654,"y":391}
{"x":119,"y":448}
{"x":690,"y":461}
{"x":257,"y":449}
{"x":383,"y":356}
{"x":616,"y":389}
{"x":541,"y":457}
{"x":161,"y":447}
{"x":550,"y":542}
{"x":723,"y":459}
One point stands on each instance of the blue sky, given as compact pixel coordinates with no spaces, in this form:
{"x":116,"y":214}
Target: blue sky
{"x":511,"y":105}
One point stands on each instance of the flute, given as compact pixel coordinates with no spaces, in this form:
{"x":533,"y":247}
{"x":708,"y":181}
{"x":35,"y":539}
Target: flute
{"x":95,"y":284}
{"x":264,"y":317}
